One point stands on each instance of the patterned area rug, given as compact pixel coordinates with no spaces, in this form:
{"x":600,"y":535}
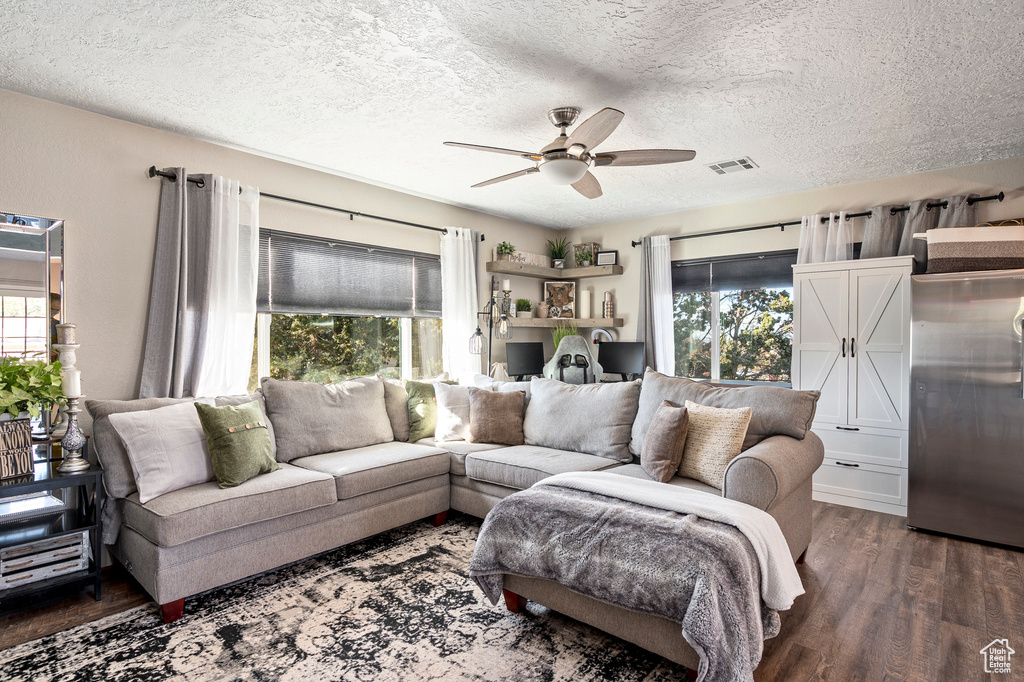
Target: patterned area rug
{"x":398,"y":606}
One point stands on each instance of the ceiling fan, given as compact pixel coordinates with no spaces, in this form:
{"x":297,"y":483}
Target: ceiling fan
{"x":567,"y":160}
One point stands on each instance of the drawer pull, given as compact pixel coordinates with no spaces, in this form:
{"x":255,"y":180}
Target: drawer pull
{"x":20,"y":577}
{"x":64,"y":541}
{"x":23,"y":563}
{"x":848,"y":428}
{"x":21,"y":551}
{"x":844,"y":464}
{"x":64,"y":568}
{"x":72,"y":553}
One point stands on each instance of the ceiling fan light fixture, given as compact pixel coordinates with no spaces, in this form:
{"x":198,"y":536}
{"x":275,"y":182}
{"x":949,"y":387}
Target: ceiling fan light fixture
{"x":563,"y":170}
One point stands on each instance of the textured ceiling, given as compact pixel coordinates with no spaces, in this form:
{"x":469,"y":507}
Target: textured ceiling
{"x":817,"y":92}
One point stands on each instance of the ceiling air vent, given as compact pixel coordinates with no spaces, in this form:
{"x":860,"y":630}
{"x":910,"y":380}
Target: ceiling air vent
{"x":733,"y":166}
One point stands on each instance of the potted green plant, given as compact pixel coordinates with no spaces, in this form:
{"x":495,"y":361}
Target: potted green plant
{"x":562,"y":330}
{"x":505,"y":249}
{"x":584,"y":257}
{"x":524,"y":308}
{"x":557,"y":251}
{"x":27,"y":387}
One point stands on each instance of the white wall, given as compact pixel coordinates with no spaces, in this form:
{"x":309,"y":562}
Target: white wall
{"x":90,"y":170}
{"x":983,"y":179}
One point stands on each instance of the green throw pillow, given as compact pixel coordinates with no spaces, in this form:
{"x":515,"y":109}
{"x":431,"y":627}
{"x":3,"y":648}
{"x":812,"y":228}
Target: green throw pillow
{"x":239,"y":442}
{"x":422,"y":409}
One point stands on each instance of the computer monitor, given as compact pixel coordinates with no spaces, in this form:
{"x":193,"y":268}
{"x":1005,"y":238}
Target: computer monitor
{"x":622,"y":357}
{"x":524,"y":359}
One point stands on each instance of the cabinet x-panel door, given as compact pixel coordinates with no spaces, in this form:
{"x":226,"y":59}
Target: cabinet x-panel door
{"x":879,"y":347}
{"x":820,"y":342}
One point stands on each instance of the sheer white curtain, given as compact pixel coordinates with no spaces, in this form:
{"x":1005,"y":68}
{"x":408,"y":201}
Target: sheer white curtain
{"x":229,"y":321}
{"x":655,"y":323}
{"x":825,"y":238}
{"x":458,"y":301}
{"x":202,"y":309}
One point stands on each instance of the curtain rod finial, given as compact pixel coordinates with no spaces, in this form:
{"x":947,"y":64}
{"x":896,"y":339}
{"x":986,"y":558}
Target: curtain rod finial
{"x":152,"y":171}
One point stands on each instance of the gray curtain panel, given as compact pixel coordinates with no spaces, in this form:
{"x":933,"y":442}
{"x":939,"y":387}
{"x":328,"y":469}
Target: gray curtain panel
{"x":645,"y":317}
{"x":882,"y":233}
{"x":919,"y":220}
{"x":178,"y":294}
{"x":958,"y":213}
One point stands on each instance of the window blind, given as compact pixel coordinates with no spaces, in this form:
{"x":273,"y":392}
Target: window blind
{"x":307,"y":275}
{"x":769,"y":270}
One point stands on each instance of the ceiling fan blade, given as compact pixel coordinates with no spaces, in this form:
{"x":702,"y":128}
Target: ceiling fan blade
{"x":502,"y":178}
{"x":588,"y":186}
{"x":643,"y":157}
{"x":496,"y":150}
{"x":595,"y":129}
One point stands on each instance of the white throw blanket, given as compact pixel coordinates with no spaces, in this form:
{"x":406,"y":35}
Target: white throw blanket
{"x":780,"y":583}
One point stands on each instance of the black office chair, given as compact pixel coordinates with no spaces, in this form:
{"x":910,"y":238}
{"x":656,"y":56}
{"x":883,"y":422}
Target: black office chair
{"x":524,"y":359}
{"x":622,"y":357}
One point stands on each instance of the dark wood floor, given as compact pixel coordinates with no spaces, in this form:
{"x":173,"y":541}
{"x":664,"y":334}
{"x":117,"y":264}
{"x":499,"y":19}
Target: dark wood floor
{"x":882,"y":603}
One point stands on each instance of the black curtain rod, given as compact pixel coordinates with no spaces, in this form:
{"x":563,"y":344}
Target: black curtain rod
{"x":783,"y":226}
{"x":153,"y":172}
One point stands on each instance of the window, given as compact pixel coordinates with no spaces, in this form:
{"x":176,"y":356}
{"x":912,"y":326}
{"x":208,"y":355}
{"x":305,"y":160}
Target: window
{"x":330,"y":310}
{"x":734,"y":317}
{"x":24,"y":326}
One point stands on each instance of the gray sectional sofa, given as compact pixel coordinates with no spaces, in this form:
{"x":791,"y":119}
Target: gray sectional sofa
{"x":197,"y":538}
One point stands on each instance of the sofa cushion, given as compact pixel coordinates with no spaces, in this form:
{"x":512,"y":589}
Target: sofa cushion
{"x":636,"y":471}
{"x":775,"y":410}
{"x":521,"y":466}
{"x":396,"y":402}
{"x":106,"y":446}
{"x":375,"y":467}
{"x":311,"y":418}
{"x":205,"y":509}
{"x":664,"y":442}
{"x":595,"y":419}
{"x":457,"y":450}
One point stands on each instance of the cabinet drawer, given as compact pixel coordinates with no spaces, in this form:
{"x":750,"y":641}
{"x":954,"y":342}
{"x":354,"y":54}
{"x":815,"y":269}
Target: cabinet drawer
{"x":21,"y":563}
{"x":862,"y":481}
{"x":44,"y":545}
{"x":867,"y":445}
{"x":43,"y":572}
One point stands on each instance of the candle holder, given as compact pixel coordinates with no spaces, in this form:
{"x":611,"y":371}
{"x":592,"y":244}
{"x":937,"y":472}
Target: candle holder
{"x":73,"y":441}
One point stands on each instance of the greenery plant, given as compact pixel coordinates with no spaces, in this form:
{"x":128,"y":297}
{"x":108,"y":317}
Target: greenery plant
{"x":506,"y":249}
{"x":29,"y":386}
{"x":562,"y":330}
{"x":523,"y":305}
{"x":584,"y":254}
{"x":558,"y":249}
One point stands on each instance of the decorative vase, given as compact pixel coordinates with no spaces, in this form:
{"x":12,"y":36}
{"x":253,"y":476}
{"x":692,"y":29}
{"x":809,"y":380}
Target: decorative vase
{"x":559,"y":263}
{"x":542,"y":309}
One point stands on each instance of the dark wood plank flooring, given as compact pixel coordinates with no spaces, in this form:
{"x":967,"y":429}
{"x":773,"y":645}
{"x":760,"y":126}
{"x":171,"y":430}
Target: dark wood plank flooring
{"x":882,"y":603}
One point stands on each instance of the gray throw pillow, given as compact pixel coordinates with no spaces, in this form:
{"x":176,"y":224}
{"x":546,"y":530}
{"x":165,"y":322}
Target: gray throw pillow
{"x":106,"y":446}
{"x":775,"y":410}
{"x":664,"y":442}
{"x":595,"y":419}
{"x":396,"y":402}
{"x":495,"y":417}
{"x":311,"y":418}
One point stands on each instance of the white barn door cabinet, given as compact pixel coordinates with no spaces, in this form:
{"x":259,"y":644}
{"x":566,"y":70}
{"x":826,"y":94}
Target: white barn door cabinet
{"x":851,"y":341}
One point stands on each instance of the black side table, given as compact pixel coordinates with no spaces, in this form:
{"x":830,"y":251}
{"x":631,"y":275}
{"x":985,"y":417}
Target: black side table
{"x":42,"y":532}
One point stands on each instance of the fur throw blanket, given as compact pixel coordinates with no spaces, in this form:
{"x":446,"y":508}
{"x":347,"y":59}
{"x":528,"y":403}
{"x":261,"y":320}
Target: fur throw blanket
{"x":704,"y":574}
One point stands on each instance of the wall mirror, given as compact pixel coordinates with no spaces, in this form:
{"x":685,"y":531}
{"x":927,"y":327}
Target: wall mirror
{"x":31,"y":285}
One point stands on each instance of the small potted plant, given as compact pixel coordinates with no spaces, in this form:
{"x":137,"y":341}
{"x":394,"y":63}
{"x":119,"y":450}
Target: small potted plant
{"x":505,"y":249}
{"x":584,"y":257}
{"x":27,"y":387}
{"x":558,"y":250}
{"x":524,"y":308}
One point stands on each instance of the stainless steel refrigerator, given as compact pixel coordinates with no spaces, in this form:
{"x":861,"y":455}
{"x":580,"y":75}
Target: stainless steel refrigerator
{"x":967,"y":405}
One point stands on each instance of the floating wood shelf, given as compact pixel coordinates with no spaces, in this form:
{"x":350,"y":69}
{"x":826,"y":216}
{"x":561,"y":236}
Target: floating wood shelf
{"x":504,"y":267}
{"x":550,"y":322}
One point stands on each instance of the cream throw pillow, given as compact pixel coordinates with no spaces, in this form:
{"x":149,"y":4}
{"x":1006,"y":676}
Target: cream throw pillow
{"x":452,"y":412}
{"x":714,"y":439}
{"x":166,"y":448}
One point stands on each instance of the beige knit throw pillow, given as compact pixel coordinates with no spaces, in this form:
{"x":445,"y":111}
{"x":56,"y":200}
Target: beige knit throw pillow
{"x":715,"y":437}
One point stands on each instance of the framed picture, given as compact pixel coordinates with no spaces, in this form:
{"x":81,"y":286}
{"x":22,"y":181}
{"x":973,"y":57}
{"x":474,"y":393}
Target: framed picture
{"x":607,"y":258}
{"x":561,"y":297}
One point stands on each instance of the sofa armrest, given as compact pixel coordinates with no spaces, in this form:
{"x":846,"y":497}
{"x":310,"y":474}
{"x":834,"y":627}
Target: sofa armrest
{"x":772,"y":469}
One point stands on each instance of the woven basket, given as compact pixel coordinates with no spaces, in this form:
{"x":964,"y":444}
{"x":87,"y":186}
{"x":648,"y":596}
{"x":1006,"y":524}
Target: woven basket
{"x":15,"y":448}
{"x":989,"y":246}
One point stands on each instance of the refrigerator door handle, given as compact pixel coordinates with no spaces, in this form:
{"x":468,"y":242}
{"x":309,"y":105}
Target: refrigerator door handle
{"x":844,"y":346}
{"x":853,"y":347}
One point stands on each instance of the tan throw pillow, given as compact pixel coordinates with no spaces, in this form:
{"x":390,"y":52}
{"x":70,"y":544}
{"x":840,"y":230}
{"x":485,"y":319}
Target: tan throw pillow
{"x":496,"y":417}
{"x":715,"y":438}
{"x":664,"y":442}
